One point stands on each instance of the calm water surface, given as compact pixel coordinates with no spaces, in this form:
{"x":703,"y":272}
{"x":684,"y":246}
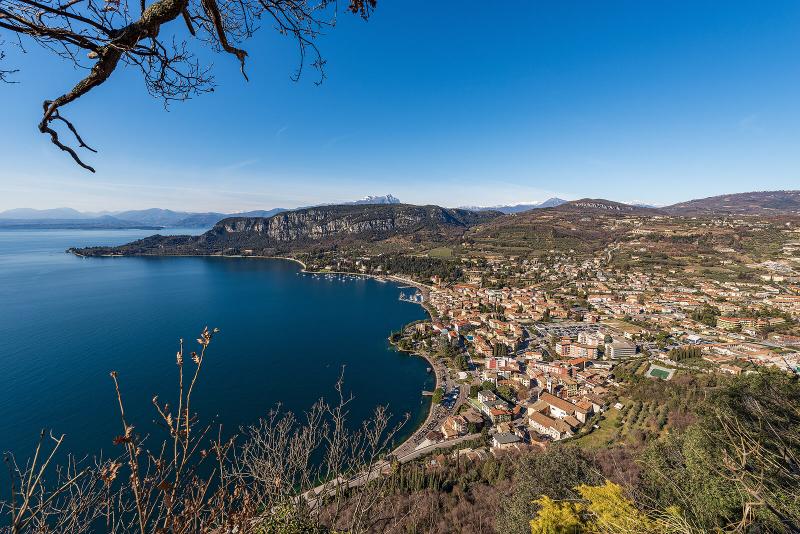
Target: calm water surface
{"x":65,"y":322}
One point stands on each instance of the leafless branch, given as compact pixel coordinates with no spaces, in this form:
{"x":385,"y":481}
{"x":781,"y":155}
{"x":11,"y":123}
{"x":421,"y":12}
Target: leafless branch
{"x":5,"y":74}
{"x":281,"y":468}
{"x":107,"y":32}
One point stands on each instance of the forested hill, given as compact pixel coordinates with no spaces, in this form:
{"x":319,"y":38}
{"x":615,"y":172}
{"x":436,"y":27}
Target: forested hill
{"x":315,"y":228}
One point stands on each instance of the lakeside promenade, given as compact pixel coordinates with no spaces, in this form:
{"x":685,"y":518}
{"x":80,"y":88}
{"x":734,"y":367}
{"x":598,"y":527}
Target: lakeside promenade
{"x":437,"y":413}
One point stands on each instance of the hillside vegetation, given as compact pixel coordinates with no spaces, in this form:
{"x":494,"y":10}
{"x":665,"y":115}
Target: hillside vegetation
{"x":319,"y":228}
{"x":753,"y":203}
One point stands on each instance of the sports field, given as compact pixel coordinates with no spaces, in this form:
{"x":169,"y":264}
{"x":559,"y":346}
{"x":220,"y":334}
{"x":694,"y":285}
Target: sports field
{"x":660,"y":372}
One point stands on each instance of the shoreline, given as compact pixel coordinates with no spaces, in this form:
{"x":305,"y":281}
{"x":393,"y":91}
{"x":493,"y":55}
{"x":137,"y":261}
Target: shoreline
{"x":304,"y":269}
{"x":436,"y":384}
{"x":428,"y":360}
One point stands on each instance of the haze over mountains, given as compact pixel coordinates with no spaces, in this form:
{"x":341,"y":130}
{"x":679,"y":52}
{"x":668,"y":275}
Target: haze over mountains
{"x":54,"y":213}
{"x":752,"y":203}
{"x":518,"y":208}
{"x":153,"y":218}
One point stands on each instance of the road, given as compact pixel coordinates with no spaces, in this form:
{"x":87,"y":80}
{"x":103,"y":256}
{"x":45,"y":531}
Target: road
{"x":454,"y":396}
{"x":379,"y":469}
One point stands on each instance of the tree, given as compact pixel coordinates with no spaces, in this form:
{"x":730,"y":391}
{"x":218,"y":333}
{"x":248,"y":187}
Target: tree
{"x":101,"y":35}
{"x":499,"y":350}
{"x":706,"y":315}
{"x":555,"y":472}
{"x":445,"y":350}
{"x":684,"y":353}
{"x":661,"y":339}
{"x":438,"y":394}
{"x":601,"y":509}
{"x":738,"y":465}
{"x":505,"y":392}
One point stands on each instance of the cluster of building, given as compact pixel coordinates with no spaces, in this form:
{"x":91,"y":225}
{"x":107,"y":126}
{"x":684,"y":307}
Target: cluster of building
{"x":634,"y":306}
{"x":551,"y":400}
{"x":550,"y":328}
{"x":555,"y":348}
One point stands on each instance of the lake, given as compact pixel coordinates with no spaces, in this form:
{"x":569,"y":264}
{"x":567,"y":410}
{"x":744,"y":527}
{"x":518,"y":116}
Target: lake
{"x":66,"y":322}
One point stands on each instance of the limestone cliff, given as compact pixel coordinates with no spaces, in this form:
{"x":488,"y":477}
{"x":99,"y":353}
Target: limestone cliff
{"x":312,"y":228}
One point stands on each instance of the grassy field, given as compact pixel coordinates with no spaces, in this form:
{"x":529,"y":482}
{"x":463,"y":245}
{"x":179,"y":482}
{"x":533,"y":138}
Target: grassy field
{"x":441,"y":252}
{"x":602,"y":436}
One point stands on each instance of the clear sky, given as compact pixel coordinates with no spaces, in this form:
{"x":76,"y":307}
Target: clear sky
{"x":453,"y":103}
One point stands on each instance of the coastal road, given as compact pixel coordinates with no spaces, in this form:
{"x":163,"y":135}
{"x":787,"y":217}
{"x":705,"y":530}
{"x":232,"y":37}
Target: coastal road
{"x":438,"y":413}
{"x":379,"y":469}
{"x":441,"y":445}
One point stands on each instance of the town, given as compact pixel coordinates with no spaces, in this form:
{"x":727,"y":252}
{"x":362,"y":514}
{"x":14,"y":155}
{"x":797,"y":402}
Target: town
{"x":527,"y":349}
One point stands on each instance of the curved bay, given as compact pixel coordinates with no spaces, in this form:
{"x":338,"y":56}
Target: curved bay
{"x":65,"y":322}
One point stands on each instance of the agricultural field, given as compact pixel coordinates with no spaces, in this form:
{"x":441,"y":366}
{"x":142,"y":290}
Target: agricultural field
{"x":440,"y":252}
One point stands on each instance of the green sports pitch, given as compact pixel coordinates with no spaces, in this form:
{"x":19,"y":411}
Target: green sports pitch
{"x":659,"y":373}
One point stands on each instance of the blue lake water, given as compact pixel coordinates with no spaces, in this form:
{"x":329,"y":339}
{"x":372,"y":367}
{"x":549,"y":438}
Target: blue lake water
{"x":65,"y":322}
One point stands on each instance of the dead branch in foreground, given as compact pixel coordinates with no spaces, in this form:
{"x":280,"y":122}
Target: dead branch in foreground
{"x":100,"y":35}
{"x":280,"y":472}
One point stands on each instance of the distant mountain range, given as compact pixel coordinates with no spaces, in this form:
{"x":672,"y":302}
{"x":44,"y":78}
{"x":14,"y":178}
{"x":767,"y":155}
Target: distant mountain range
{"x":584,"y":225}
{"x":105,"y":222}
{"x":153,"y":218}
{"x":54,"y":213}
{"x":518,"y":208}
{"x":589,"y":205}
{"x":763,"y":203}
{"x":752,"y":203}
{"x":150,"y":218}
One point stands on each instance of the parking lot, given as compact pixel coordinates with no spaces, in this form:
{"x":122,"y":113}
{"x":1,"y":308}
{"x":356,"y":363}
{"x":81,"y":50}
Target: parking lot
{"x":565,"y":329}
{"x":449,"y":399}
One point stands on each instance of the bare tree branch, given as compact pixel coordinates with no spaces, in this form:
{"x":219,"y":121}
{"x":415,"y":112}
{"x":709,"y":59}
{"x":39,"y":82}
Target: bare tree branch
{"x":6,"y":73}
{"x":107,"y":32}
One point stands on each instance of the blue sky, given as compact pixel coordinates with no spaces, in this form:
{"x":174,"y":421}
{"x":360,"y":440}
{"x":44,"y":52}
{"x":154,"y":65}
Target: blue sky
{"x":453,"y":103}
